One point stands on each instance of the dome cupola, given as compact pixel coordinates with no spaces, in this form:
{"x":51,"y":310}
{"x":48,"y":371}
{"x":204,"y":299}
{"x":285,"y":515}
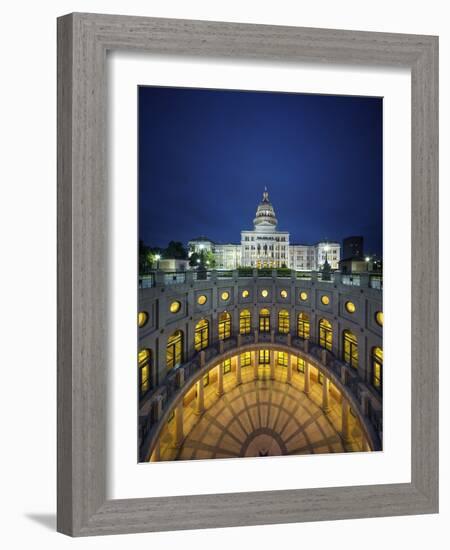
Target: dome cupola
{"x":265,"y":219}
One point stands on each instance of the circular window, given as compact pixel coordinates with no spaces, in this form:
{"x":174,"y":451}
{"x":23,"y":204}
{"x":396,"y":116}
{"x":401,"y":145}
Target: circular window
{"x":224,"y":296}
{"x":350,"y":307}
{"x":142,"y":318}
{"x":175,"y":306}
{"x":325,"y":300}
{"x":379,"y":318}
{"x":283,"y":293}
{"x":245,"y":294}
{"x":303,"y":296}
{"x":264,"y":293}
{"x":201,"y":300}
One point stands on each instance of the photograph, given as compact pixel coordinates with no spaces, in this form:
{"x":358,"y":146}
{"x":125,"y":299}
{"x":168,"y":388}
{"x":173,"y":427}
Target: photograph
{"x":260,"y":276}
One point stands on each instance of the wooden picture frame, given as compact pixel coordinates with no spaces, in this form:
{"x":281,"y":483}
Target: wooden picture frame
{"x":83,"y":41}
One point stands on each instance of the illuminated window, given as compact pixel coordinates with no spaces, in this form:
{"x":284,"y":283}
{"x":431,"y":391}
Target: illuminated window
{"x":226,"y":365}
{"x":174,"y":350}
{"x":206,"y":380}
{"x":300,"y":364}
{"x":245,"y":294}
{"x":246,"y":359}
{"x":320,"y":377}
{"x":224,"y":325}
{"x":264,"y":357}
{"x":175,"y":307}
{"x":303,"y":326}
{"x":201,"y":335}
{"x":282,"y":359}
{"x":350,"y":307}
{"x":303,"y":296}
{"x":379,"y":318}
{"x":264,"y":320}
{"x":283,"y":293}
{"x":325,"y":334}
{"x":350,"y":351}
{"x":264,"y":293}
{"x":377,"y":368}
{"x":325,"y":300}
{"x":142,"y":318}
{"x":144,"y":357}
{"x":283,"y":321}
{"x":224,"y":296}
{"x":245,"y":321}
{"x":201,"y":300}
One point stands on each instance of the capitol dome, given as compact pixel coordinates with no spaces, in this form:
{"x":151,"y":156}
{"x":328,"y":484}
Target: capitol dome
{"x":265,"y":219}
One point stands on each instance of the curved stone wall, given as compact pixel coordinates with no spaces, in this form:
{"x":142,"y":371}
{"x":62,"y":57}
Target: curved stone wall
{"x":232,"y":294}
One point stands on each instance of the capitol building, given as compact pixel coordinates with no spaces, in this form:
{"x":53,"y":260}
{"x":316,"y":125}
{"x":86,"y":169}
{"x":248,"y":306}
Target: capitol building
{"x":267,"y":247}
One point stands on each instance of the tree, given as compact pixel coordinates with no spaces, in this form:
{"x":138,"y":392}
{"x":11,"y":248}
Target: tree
{"x":145,"y":257}
{"x":193,"y":259}
{"x":175,"y":250}
{"x":206,"y":257}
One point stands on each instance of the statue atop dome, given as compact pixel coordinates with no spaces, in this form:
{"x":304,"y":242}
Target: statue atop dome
{"x":265,"y":219}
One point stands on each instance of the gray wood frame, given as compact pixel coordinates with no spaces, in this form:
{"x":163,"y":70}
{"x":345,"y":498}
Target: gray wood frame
{"x":83,"y":40}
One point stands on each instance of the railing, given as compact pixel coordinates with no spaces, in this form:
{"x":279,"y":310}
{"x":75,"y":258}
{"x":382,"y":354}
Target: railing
{"x":174,"y":277}
{"x":165,"y":394}
{"x":351,"y":280}
{"x":156,"y":278}
{"x":376,"y":281}
{"x":147,"y":281}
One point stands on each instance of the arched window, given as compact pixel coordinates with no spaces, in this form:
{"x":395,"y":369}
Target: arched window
{"x":325,"y":334}
{"x":201,"y":337}
{"x":144,"y":359}
{"x":283,"y":321}
{"x":377,"y":368}
{"x":303,"y":327}
{"x":224,"y":325}
{"x":245,"y":322}
{"x":174,"y":350}
{"x":350,"y":351}
{"x":264,"y":320}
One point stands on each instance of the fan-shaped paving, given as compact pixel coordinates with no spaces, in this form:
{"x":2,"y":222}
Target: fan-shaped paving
{"x":260,"y":418}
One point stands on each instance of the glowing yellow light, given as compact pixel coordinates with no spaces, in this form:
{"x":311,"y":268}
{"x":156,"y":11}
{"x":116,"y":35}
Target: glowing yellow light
{"x":325,"y":300}
{"x":303,"y":296}
{"x":350,"y":307}
{"x":283,"y":293}
{"x":379,"y":318}
{"x":245,"y":294}
{"x":142,"y":318}
{"x":264,"y":293}
{"x":224,"y":296}
{"x":143,"y":355}
{"x":175,"y":306}
{"x":201,"y":300}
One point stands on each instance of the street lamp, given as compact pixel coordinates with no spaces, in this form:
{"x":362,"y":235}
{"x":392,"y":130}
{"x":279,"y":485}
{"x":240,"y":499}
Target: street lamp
{"x":367,"y":262}
{"x":157,"y":258}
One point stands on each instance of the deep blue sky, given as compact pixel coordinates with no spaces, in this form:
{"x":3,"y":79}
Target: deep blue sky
{"x":206,"y":155}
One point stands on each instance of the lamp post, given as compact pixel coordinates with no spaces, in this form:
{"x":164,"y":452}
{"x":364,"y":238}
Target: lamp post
{"x":157,"y":258}
{"x":326,"y":268}
{"x":201,"y":272}
{"x":367,"y":263}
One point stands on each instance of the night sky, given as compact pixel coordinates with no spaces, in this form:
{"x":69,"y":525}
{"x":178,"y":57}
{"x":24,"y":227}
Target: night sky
{"x":206,"y":155}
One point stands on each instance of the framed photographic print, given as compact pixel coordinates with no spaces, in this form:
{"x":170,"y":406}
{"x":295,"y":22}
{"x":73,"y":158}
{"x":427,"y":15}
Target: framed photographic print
{"x":247,"y":274}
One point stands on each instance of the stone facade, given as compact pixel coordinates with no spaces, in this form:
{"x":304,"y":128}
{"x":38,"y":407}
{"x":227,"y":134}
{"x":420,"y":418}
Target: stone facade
{"x":347,"y":308}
